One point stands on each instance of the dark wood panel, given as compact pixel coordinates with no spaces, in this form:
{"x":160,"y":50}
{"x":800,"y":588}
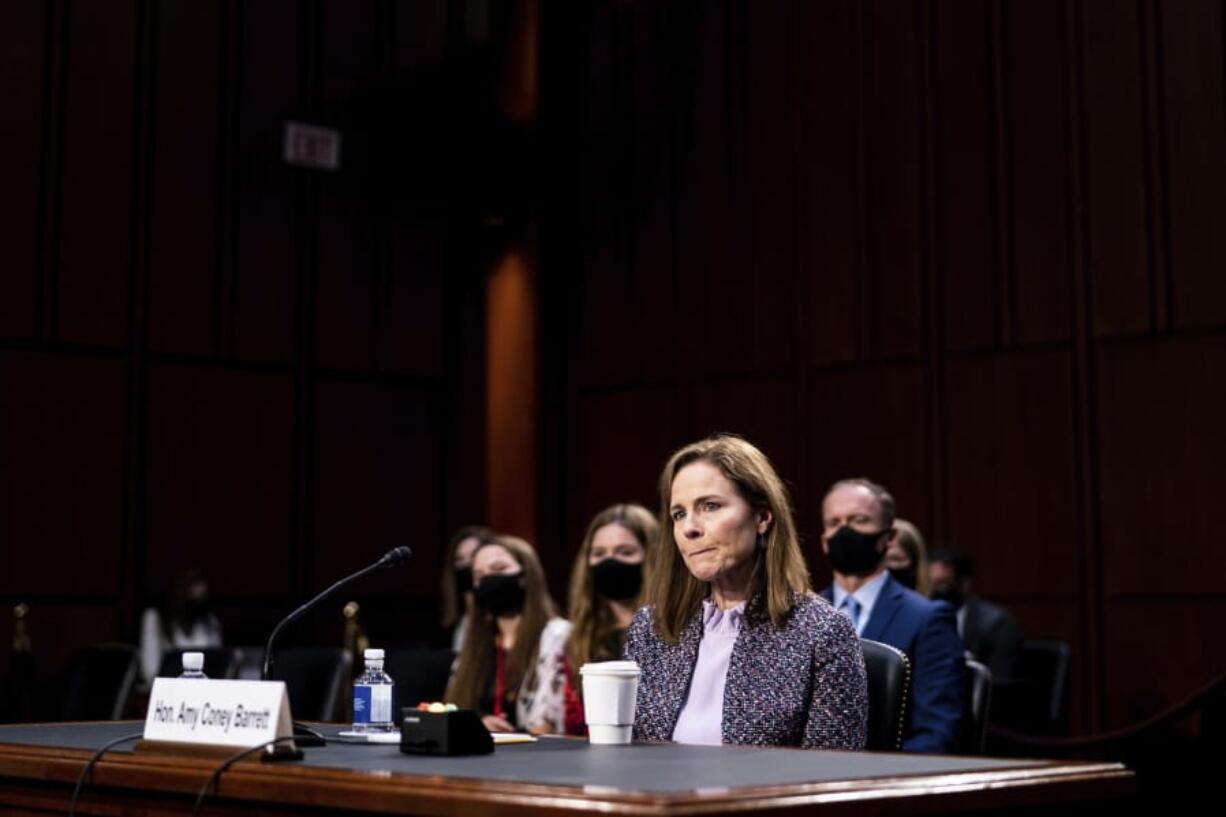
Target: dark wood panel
{"x":23,"y":35}
{"x":625,"y":301}
{"x":411,"y":309}
{"x":1194,"y":93}
{"x":619,"y":442}
{"x":61,"y":473}
{"x":866,"y":423}
{"x":648,"y":325}
{"x":1161,"y":448}
{"x":349,"y":55}
{"x":1179,"y":633}
{"x":763,"y":411}
{"x":345,"y":305}
{"x":1121,"y":252}
{"x":830,"y":199}
{"x":712,"y":289}
{"x":601,"y":355}
{"x":96,"y":197}
{"x":183,"y":219}
{"x":266,"y":256}
{"x":892,"y":298}
{"x":1037,"y":120}
{"x":377,"y":484}
{"x":219,"y":466}
{"x":964,"y":93}
{"x":421,"y":32}
{"x":1012,"y":478}
{"x":767,"y":289}
{"x":349,"y":271}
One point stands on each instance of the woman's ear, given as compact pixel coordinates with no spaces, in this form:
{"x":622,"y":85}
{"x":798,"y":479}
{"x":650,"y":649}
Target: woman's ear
{"x":764,"y":520}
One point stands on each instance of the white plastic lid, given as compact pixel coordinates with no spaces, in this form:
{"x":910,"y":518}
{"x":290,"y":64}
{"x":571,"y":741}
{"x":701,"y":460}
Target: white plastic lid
{"x":610,"y":668}
{"x":193,"y":661}
{"x":373,"y":655}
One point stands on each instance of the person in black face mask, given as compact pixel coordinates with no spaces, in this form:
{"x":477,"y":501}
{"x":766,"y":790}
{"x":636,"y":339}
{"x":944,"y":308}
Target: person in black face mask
{"x":989,"y":631}
{"x":457,"y":580}
{"x":511,"y":665}
{"x":857,"y":526}
{"x":606,"y":586}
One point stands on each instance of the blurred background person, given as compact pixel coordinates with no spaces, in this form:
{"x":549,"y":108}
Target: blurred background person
{"x":606,"y":587}
{"x":989,"y":631}
{"x":906,"y":557}
{"x":183,"y":621}
{"x":511,"y":665}
{"x":457,"y":580}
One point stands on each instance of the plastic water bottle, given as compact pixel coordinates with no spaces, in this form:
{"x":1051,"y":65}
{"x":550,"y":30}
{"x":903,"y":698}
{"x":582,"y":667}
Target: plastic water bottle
{"x":193,"y":665}
{"x":372,"y":696}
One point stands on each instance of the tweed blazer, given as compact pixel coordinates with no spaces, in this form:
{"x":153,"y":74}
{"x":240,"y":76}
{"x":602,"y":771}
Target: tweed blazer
{"x":802,"y":684}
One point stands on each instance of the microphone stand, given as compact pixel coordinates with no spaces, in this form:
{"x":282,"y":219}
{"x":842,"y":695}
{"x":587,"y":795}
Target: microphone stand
{"x":398,"y":555}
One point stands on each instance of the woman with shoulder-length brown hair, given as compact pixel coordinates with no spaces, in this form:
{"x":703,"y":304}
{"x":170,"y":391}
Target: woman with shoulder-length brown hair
{"x":733,"y":645}
{"x":510,"y":668}
{"x":606,"y":587}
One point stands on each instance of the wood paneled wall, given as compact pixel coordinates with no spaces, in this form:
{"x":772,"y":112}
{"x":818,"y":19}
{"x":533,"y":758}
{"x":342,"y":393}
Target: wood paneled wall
{"x":974,"y":249}
{"x":210,"y":358}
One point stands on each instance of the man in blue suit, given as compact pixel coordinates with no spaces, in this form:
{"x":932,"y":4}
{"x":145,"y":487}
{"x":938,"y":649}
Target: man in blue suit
{"x":857,"y":519}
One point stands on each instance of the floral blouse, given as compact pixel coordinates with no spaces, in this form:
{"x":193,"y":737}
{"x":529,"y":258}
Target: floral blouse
{"x":541,"y":703}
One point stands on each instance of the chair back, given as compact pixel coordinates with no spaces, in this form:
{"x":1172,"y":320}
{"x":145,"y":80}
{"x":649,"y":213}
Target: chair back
{"x":219,"y":662}
{"x":100,"y":678}
{"x":1045,"y":670}
{"x":889,"y":684}
{"x":315,"y":678}
{"x":974,"y":728}
{"x":420,"y":674}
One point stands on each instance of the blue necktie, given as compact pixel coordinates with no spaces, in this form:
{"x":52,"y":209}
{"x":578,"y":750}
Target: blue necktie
{"x":851,"y":609}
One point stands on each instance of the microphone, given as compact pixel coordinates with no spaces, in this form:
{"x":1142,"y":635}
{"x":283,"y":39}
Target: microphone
{"x":395,"y":556}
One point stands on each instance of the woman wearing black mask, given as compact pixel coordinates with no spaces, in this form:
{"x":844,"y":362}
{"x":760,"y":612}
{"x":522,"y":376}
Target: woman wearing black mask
{"x":457,"y":583}
{"x":606,"y":587}
{"x":510,"y":668}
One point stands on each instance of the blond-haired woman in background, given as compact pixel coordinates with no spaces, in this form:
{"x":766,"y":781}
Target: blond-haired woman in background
{"x":906,"y":557}
{"x":606,"y":587}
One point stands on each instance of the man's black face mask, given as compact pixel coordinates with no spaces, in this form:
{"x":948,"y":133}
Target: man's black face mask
{"x":853,"y":553}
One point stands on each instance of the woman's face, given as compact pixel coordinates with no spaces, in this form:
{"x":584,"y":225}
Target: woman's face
{"x":896,"y":556}
{"x":617,"y":542}
{"x":494,"y":560}
{"x":714,"y":528}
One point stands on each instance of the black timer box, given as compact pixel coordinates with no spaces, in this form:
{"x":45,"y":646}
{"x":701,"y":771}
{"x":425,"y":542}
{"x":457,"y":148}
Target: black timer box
{"x":459,"y":732}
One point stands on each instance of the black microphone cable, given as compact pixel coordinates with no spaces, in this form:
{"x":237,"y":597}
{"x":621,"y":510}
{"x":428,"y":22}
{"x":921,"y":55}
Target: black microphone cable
{"x":89,"y":766}
{"x":215,"y":777}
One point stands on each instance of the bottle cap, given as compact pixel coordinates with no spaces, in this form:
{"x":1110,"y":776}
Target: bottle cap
{"x":373,"y":654}
{"x":193,"y":661}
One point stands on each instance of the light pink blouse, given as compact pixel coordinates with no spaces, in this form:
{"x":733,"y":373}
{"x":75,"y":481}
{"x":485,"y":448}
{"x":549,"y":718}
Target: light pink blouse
{"x":702,"y":718}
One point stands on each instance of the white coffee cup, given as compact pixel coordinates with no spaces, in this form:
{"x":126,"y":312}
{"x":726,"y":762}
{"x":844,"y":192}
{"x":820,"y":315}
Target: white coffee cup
{"x":609,"y":691}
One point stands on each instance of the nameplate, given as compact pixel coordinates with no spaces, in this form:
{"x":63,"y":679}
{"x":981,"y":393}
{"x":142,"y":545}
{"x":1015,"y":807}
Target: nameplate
{"x":211,"y":712}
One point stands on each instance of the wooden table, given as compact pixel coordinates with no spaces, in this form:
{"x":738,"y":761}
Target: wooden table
{"x":40,"y":763}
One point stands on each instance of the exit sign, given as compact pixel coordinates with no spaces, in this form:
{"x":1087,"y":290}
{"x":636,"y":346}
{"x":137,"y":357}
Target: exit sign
{"x":312,"y":146}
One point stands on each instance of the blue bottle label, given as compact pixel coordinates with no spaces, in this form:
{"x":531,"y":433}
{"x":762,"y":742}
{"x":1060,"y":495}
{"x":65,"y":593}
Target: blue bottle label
{"x":361,"y":703}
